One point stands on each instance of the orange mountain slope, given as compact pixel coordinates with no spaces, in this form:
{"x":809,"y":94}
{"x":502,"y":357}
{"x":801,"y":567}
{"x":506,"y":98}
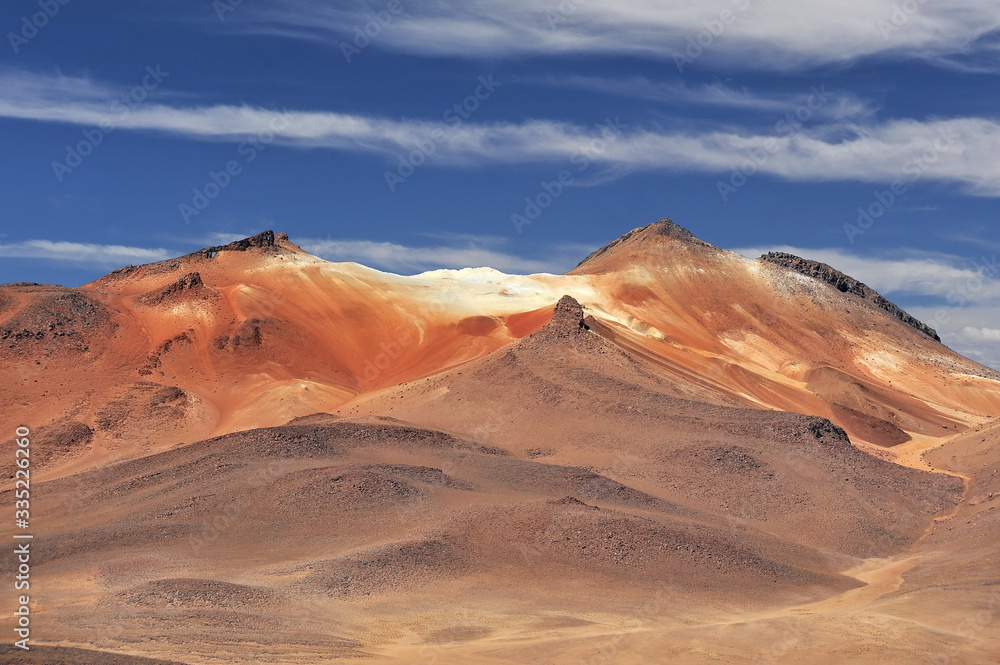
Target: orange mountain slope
{"x":258,"y":332}
{"x":250,"y":453}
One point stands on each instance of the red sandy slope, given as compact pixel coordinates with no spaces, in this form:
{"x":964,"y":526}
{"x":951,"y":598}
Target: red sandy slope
{"x":258,"y":332}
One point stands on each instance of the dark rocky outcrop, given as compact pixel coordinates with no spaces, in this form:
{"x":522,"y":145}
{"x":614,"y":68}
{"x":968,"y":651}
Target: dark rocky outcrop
{"x":847,"y":284}
{"x":247,"y":336}
{"x":60,"y":319}
{"x":267,"y":241}
{"x":263,"y":240}
{"x":573,"y":502}
{"x":189,"y":282}
{"x":567,"y":318}
{"x":59,"y":440}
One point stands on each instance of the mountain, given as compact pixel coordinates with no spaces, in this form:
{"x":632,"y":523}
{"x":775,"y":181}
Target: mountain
{"x":257,"y":332}
{"x":670,"y":451}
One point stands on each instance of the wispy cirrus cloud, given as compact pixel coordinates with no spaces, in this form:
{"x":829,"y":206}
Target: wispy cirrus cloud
{"x":451,"y":251}
{"x":82,"y":254}
{"x":771,"y":35}
{"x":962,"y":151}
{"x":834,"y":105}
{"x":471,"y":252}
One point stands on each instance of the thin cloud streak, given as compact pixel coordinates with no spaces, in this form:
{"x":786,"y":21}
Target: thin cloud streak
{"x":714,"y":95}
{"x":474,"y":252}
{"x":773,"y":35}
{"x":961,"y":151}
{"x":395,"y":257}
{"x":85,"y":254}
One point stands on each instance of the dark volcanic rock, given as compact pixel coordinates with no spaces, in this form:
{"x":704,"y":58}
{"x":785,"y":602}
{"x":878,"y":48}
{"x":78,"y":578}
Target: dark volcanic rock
{"x":247,"y":336}
{"x":567,"y":318}
{"x":188,"y":592}
{"x":263,"y":240}
{"x":572,"y":501}
{"x":60,"y":439}
{"x":189,"y":282}
{"x":58,"y":320}
{"x":151,"y":403}
{"x":846,"y":284}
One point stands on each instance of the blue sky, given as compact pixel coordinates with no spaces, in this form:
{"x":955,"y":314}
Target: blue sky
{"x":412,"y":135}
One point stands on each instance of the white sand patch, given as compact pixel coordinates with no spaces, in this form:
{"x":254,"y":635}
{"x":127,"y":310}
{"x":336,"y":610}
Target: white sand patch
{"x":881,"y":362}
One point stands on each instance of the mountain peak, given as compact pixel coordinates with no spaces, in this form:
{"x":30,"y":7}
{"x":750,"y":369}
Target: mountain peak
{"x":667,"y":227}
{"x":638,"y":239}
{"x":568,"y":314}
{"x":567,"y":319}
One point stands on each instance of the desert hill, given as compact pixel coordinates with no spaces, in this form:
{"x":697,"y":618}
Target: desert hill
{"x":671,"y":452}
{"x":258,"y":332}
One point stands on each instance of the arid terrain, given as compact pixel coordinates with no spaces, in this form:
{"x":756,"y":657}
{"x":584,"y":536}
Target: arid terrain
{"x":670,"y":454}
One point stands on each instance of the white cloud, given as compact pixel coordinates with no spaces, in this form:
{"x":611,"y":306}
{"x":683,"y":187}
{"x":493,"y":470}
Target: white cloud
{"x":454,"y":251}
{"x":214,"y":239}
{"x":970,"y":331}
{"x":983,"y":334}
{"x":402,"y":258}
{"x":974,"y":239}
{"x":758,"y":34}
{"x":104,"y":256}
{"x":835,"y":105}
{"x":959,"y":150}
